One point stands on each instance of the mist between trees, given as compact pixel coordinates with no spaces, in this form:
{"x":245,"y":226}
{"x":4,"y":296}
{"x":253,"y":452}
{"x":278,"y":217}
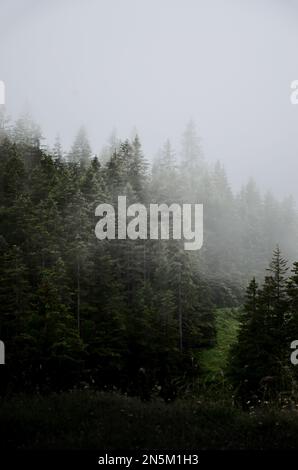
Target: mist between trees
{"x":134,"y":315}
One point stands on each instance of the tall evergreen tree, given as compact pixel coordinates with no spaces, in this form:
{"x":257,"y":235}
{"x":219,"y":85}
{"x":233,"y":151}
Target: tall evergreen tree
{"x":260,"y":359}
{"x":81,"y":150}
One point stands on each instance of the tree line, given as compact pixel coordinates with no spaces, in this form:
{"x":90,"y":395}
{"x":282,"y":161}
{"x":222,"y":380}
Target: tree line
{"x":260,"y":367}
{"x":126,"y":314}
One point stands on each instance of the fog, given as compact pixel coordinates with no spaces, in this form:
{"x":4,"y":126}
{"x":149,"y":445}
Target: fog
{"x":153,"y":65}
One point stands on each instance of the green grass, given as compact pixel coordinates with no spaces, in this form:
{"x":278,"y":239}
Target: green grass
{"x":214,"y":361}
{"x":89,"y":420}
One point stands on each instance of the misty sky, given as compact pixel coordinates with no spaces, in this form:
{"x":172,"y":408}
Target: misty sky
{"x":153,"y":65}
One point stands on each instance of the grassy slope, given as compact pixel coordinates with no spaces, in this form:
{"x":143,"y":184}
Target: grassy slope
{"x":214,"y":361}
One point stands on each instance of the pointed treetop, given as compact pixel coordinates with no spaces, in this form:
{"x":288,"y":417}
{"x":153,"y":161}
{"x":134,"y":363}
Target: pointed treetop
{"x":278,"y":266}
{"x":191,"y":149}
{"x":57,"y":149}
{"x":81,"y":150}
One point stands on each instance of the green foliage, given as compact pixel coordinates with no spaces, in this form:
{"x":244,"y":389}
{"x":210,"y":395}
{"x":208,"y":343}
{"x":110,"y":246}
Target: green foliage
{"x":214,"y":361}
{"x":81,"y":151}
{"x":137,"y":315}
{"x":78,"y":311}
{"x":260,"y":360}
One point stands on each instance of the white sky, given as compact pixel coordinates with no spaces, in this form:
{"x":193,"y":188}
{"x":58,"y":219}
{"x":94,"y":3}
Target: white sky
{"x":154,"y":64}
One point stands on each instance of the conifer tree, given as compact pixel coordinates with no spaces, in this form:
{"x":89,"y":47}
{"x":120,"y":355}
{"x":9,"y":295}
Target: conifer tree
{"x":260,"y":359}
{"x":81,"y":150}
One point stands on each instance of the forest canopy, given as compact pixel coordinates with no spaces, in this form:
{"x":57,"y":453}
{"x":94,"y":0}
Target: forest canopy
{"x":130,"y":314}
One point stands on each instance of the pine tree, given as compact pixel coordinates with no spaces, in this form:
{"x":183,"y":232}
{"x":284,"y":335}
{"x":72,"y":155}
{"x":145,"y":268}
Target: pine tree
{"x":165,"y":185}
{"x":13,"y":177}
{"x":193,"y":168}
{"x":57,"y":149}
{"x":248,"y":357}
{"x":191,"y":151}
{"x":26,"y":132}
{"x":292,"y":320}
{"x":137,"y":169}
{"x":259,"y":361}
{"x":81,"y":150}
{"x":60,"y":347}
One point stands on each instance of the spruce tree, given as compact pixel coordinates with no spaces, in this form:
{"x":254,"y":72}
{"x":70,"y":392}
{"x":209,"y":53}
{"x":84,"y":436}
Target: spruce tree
{"x":81,"y":150}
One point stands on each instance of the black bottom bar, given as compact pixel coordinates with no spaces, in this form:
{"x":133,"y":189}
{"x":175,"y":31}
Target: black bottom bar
{"x":144,"y":458}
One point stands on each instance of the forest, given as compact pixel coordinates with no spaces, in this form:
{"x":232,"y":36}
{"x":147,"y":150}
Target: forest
{"x":142,"y":318}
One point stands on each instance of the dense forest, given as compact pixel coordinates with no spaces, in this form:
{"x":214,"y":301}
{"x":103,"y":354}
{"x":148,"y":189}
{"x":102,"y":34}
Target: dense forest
{"x":137,"y":315}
